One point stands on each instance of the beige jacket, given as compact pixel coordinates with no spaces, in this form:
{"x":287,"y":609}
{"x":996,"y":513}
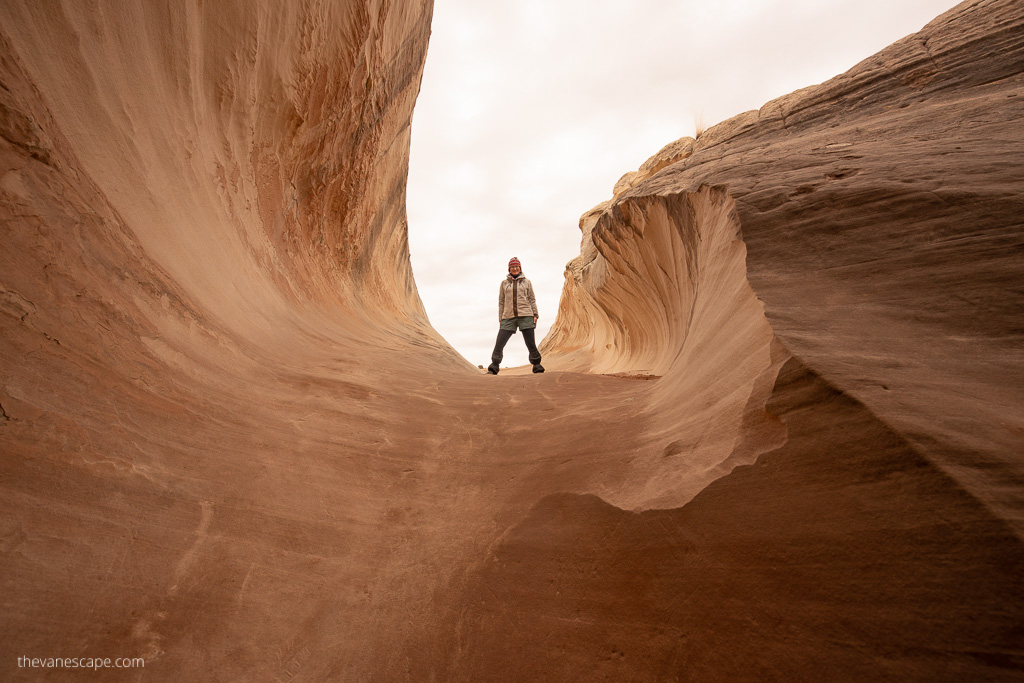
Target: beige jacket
{"x":515,"y":298}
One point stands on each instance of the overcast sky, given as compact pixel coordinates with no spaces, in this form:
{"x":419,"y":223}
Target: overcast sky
{"x":530,"y":110}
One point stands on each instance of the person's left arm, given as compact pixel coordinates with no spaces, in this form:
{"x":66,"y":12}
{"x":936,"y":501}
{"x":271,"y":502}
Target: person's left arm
{"x":533,"y":304}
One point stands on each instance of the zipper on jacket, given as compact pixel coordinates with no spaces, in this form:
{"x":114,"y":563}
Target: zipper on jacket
{"x":515,"y":297}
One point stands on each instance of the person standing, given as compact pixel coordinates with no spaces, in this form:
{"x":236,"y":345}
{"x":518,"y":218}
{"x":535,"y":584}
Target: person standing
{"x":517,"y":308}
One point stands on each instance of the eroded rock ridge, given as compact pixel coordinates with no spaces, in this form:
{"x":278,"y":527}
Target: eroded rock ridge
{"x":779,"y":436}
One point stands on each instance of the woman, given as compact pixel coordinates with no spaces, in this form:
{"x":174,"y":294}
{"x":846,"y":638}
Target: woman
{"x":517,"y":308}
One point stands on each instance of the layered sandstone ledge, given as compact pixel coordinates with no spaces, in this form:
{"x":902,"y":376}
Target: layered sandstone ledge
{"x":779,"y":435}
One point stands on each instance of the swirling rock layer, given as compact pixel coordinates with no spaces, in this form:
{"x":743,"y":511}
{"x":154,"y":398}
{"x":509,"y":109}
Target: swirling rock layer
{"x":879,"y":212}
{"x":779,"y":435}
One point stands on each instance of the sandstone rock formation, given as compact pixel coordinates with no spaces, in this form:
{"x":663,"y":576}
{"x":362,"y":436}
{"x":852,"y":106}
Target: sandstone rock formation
{"x":779,"y":437}
{"x":879,"y":214}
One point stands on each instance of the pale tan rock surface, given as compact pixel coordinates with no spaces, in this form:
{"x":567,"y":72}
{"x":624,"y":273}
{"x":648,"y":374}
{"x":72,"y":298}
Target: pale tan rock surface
{"x":779,"y":437}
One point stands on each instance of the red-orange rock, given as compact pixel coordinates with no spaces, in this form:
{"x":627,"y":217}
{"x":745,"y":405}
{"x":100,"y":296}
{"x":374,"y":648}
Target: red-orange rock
{"x":779,"y":436}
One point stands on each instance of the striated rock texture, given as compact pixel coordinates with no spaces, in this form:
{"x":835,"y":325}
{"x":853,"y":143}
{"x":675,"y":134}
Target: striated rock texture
{"x":779,"y":437}
{"x":880,"y":214}
{"x":877,"y":219}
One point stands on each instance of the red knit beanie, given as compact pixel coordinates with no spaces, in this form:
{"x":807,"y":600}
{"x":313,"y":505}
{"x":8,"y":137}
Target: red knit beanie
{"x":514,"y":262}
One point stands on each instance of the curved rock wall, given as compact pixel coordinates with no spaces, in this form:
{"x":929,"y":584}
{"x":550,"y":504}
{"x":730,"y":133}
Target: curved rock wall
{"x":660,"y":291}
{"x":257,"y":153}
{"x":233,"y":446}
{"x":879,"y":214}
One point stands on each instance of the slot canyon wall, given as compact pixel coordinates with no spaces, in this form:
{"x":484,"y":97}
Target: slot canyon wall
{"x":780,"y":434}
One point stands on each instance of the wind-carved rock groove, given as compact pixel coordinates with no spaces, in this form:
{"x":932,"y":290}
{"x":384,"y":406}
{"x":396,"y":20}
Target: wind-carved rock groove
{"x":779,"y":436}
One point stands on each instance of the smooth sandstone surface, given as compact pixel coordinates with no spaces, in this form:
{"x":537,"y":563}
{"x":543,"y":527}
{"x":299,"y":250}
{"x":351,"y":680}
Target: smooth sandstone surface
{"x":779,"y":437}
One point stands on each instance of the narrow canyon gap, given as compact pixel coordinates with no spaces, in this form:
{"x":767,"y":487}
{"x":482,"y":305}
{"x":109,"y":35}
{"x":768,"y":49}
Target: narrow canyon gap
{"x":780,"y":434}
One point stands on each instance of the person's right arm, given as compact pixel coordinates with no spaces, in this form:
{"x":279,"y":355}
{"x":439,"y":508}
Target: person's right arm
{"x":501,"y":300}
